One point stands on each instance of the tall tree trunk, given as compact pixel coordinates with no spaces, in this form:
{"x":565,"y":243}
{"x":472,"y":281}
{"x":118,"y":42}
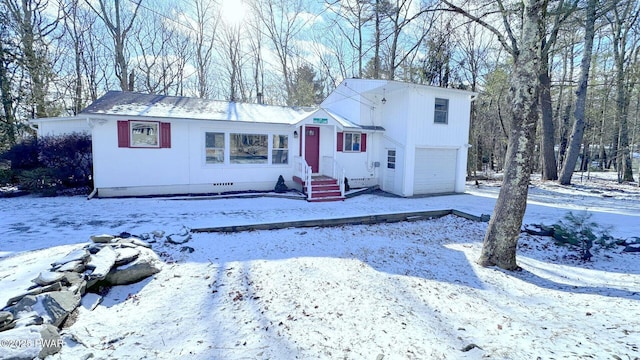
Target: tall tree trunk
{"x":501,"y":239}
{"x":376,"y":55}
{"x":623,"y":19}
{"x":566,"y":113}
{"x":577,"y":131}
{"x":549,"y":166}
{"x":34,"y":61}
{"x":7,"y":98}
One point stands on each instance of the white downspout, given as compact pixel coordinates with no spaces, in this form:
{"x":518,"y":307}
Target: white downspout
{"x":93,"y":193}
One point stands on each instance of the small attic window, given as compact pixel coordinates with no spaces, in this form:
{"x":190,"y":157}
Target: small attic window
{"x":441,"y":112}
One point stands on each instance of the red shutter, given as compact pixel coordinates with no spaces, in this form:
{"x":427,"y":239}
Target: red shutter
{"x":123,"y":133}
{"x":165,"y":135}
{"x":340,"y":142}
{"x":363,"y":145}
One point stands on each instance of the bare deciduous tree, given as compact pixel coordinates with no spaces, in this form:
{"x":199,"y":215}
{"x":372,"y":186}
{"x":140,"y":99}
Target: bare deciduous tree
{"x":119,"y":27}
{"x":501,"y":238}
{"x":577,"y":131}
{"x":280,"y":21}
{"x":33,"y":27}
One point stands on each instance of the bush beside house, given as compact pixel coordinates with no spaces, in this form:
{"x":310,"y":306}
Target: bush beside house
{"x":50,"y":165}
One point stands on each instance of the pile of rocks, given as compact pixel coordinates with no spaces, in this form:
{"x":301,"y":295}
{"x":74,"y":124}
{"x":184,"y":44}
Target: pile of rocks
{"x":29,"y":323}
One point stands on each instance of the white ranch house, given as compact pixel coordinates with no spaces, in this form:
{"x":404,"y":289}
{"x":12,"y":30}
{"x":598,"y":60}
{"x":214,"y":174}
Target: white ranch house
{"x":407,"y":139}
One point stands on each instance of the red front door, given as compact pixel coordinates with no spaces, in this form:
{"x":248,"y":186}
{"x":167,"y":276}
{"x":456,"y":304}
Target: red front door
{"x":312,"y":147}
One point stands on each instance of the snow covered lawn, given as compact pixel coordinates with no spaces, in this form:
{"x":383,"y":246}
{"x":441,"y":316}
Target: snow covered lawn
{"x":408,"y":290}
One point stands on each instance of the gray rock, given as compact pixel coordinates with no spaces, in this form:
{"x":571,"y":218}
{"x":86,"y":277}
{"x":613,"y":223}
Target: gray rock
{"x":126,"y":255}
{"x":57,"y":305}
{"x":90,"y":301}
{"x":75,"y":282}
{"x":75,"y":266}
{"x":7,"y":326}
{"x":6,"y":320}
{"x":144,"y":266}
{"x":632,"y":248}
{"x":29,"y":319}
{"x":102,"y":239}
{"x":178,"y":238}
{"x":24,"y":307}
{"x":48,"y":277}
{"x":52,"y":307}
{"x":94,"y":248}
{"x":39,"y":290}
{"x":51,"y":341}
{"x":187,"y":249}
{"x":101,"y":263}
{"x":76,"y":255}
{"x":134,"y":241}
{"x":5,"y":317}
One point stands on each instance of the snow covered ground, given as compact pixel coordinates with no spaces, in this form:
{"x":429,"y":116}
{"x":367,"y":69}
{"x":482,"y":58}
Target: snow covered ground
{"x":407,"y":290}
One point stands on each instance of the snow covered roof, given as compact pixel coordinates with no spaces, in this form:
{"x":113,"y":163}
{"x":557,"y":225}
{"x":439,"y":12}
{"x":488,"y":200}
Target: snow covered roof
{"x":122,"y":103}
{"x":346,"y":123}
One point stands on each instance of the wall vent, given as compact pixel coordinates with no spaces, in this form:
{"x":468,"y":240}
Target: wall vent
{"x":223,"y":184}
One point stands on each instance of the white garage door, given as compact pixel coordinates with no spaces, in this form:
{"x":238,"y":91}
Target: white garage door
{"x":435,"y":171}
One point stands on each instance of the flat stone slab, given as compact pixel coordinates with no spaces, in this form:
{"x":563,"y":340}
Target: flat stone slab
{"x":102,"y":239}
{"x":134,"y":241}
{"x":76,"y":255}
{"x":101,"y":263}
{"x":126,"y":255}
{"x":144,"y":266}
{"x":74,"y":266}
{"x":48,"y":277}
{"x":90,"y":301}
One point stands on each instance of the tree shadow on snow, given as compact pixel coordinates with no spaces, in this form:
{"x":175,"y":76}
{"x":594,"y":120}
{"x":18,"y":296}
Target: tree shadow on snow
{"x":546,"y":283}
{"x":412,"y":255}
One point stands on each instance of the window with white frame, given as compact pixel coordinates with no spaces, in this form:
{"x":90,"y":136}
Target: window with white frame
{"x":441,"y":112}
{"x":214,"y":148}
{"x":352,"y":142}
{"x":145,"y":133}
{"x":248,"y":148}
{"x":280,"y":149}
{"x":391,"y":159}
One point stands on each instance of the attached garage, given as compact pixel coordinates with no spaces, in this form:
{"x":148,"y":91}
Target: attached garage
{"x":435,"y":171}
